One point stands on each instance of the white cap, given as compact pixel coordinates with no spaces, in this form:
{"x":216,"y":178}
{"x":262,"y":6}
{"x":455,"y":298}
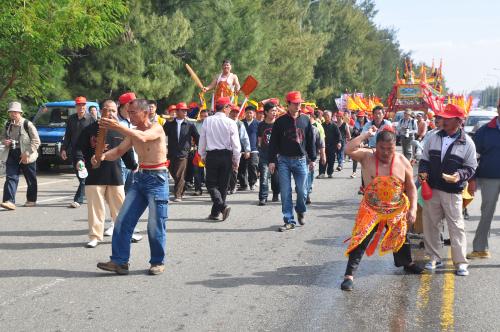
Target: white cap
{"x":15,"y":106}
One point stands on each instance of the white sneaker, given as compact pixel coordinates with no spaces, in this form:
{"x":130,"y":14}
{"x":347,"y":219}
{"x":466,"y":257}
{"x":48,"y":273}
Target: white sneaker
{"x":93,"y":243}
{"x":136,"y":238}
{"x":462,"y":270}
{"x":74,"y":205}
{"x":432,"y":265}
{"x":109,"y":230}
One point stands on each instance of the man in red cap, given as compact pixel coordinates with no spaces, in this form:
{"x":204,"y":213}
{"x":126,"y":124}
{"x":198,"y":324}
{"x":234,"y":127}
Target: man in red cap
{"x":219,"y":148}
{"x":259,"y":114}
{"x":180,"y":133}
{"x":448,"y":162}
{"x":171,"y":111}
{"x":292,"y":142}
{"x":74,"y":126}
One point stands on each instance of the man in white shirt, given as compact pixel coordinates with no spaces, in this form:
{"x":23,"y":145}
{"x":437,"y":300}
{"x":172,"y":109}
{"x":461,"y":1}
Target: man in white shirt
{"x":219,"y":148}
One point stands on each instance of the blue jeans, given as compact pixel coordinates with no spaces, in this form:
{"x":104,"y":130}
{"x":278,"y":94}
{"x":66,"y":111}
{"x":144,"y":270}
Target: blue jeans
{"x":12,"y":170}
{"x":265,"y":175}
{"x":340,"y":154}
{"x":149,"y":190}
{"x":128,"y":178}
{"x":298,"y":168}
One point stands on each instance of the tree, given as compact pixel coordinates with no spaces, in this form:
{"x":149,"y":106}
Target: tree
{"x":37,"y":38}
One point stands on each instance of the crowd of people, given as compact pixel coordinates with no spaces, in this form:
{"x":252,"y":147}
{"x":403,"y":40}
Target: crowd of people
{"x":227,"y":148}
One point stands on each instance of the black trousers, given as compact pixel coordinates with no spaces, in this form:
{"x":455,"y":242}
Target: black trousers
{"x":330,"y":161}
{"x":247,"y":171}
{"x":401,"y":258}
{"x":218,"y":166}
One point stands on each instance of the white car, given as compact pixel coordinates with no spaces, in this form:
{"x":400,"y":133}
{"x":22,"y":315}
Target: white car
{"x":476,"y":116}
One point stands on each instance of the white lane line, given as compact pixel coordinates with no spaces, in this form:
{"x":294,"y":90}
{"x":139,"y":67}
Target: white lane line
{"x":31,"y":292}
{"x":42,"y":183}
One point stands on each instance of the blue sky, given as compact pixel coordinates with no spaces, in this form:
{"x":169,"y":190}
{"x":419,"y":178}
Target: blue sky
{"x":465,"y":34}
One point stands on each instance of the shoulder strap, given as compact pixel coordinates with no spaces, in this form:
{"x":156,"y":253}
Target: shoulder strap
{"x":26,"y":127}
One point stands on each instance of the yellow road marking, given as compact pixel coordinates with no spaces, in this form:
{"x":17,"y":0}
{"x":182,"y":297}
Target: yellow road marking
{"x":424,"y":291}
{"x":447,"y":311}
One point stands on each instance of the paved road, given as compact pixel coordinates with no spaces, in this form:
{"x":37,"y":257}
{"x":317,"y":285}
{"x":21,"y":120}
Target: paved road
{"x":237,"y":275}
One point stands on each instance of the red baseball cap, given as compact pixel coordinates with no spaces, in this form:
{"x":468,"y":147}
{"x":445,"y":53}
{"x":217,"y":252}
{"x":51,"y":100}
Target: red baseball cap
{"x":340,"y":113}
{"x":361,"y":113}
{"x":260,"y":110}
{"x":181,"y":106}
{"x":223,"y":101}
{"x":80,"y":100}
{"x":193,"y":105}
{"x":294,"y":97}
{"x":452,"y":111}
{"x":126,"y":98}
{"x":308,"y":110}
{"x":171,"y":108}
{"x":234,"y":107}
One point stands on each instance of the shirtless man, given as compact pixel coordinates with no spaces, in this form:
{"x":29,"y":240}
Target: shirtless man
{"x":389,"y":202}
{"x":149,"y":190}
{"x":226,"y":84}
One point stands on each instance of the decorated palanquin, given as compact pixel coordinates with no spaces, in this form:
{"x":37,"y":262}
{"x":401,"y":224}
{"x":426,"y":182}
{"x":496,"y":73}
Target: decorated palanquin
{"x":384,"y":206}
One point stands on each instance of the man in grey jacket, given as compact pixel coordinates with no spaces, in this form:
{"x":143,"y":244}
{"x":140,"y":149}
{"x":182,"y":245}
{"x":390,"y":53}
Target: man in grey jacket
{"x":21,"y":145}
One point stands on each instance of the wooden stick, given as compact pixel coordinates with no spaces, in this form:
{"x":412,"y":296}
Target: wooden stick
{"x":194,"y":76}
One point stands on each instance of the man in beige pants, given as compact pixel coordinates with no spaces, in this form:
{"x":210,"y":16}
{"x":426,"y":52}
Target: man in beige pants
{"x":448,"y":162}
{"x":105,"y":183}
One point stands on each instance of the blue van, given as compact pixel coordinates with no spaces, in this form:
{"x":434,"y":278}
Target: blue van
{"x":50,"y":121}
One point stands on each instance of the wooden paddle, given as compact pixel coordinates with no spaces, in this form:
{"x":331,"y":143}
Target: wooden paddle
{"x":195,"y":77}
{"x":249,"y":85}
{"x":101,"y":139}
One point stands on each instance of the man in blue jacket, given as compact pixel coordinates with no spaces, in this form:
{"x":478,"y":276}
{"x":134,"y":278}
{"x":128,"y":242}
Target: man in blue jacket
{"x":487,"y":140}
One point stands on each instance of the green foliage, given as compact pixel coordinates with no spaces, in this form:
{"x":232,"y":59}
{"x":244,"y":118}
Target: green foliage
{"x":320,"y":47}
{"x":36,"y":38}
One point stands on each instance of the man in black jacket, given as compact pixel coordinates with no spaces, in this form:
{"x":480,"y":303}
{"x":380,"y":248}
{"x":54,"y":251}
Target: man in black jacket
{"x":74,"y":126}
{"x":292,"y":139}
{"x":180,"y":134}
{"x":332,"y":145}
{"x":105,"y":183}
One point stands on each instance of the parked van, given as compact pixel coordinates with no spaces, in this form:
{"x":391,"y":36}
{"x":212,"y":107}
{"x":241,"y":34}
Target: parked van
{"x":50,"y":121}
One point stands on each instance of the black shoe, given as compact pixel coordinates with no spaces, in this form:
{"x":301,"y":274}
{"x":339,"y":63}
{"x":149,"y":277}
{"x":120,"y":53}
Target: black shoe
{"x":211,"y":217}
{"x":466,"y":214}
{"x":413,"y":269}
{"x":225,"y":213}
{"x":339,"y":168}
{"x":287,"y":227}
{"x":300,"y":218}
{"x":113,"y":267}
{"x":347,"y":285}
{"x":276,"y":198}
{"x":447,"y":242}
{"x":252,"y":188}
{"x":308,"y":200}
{"x":242,"y":188}
{"x":262,"y":202}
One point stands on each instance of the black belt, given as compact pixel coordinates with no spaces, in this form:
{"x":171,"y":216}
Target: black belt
{"x":142,"y":170}
{"x":219,"y":151}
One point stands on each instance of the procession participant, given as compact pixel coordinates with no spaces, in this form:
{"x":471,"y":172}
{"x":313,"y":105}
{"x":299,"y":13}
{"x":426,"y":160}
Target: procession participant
{"x":244,"y":143}
{"x":356,"y":131}
{"x":219,"y":148}
{"x":345,"y":136}
{"x":180,"y":133}
{"x":74,"y":126}
{"x":487,"y":175}
{"x":93,"y":111}
{"x":149,"y":190}
{"x":264,"y":132}
{"x":171,"y":111}
{"x":332,"y":145}
{"x":124,"y":119}
{"x":259,"y":114}
{"x":319,"y":143}
{"x":292,"y":140}
{"x":153,"y":106}
{"x":421,"y":127}
{"x":194,"y":109}
{"x":389,"y":202}
{"x":105,"y":183}
{"x":21,"y":142}
{"x":226,"y":84}
{"x":407,"y":128}
{"x":247,"y":172}
{"x":377,"y":121}
{"x":448,"y":162}
{"x":198,"y":170}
